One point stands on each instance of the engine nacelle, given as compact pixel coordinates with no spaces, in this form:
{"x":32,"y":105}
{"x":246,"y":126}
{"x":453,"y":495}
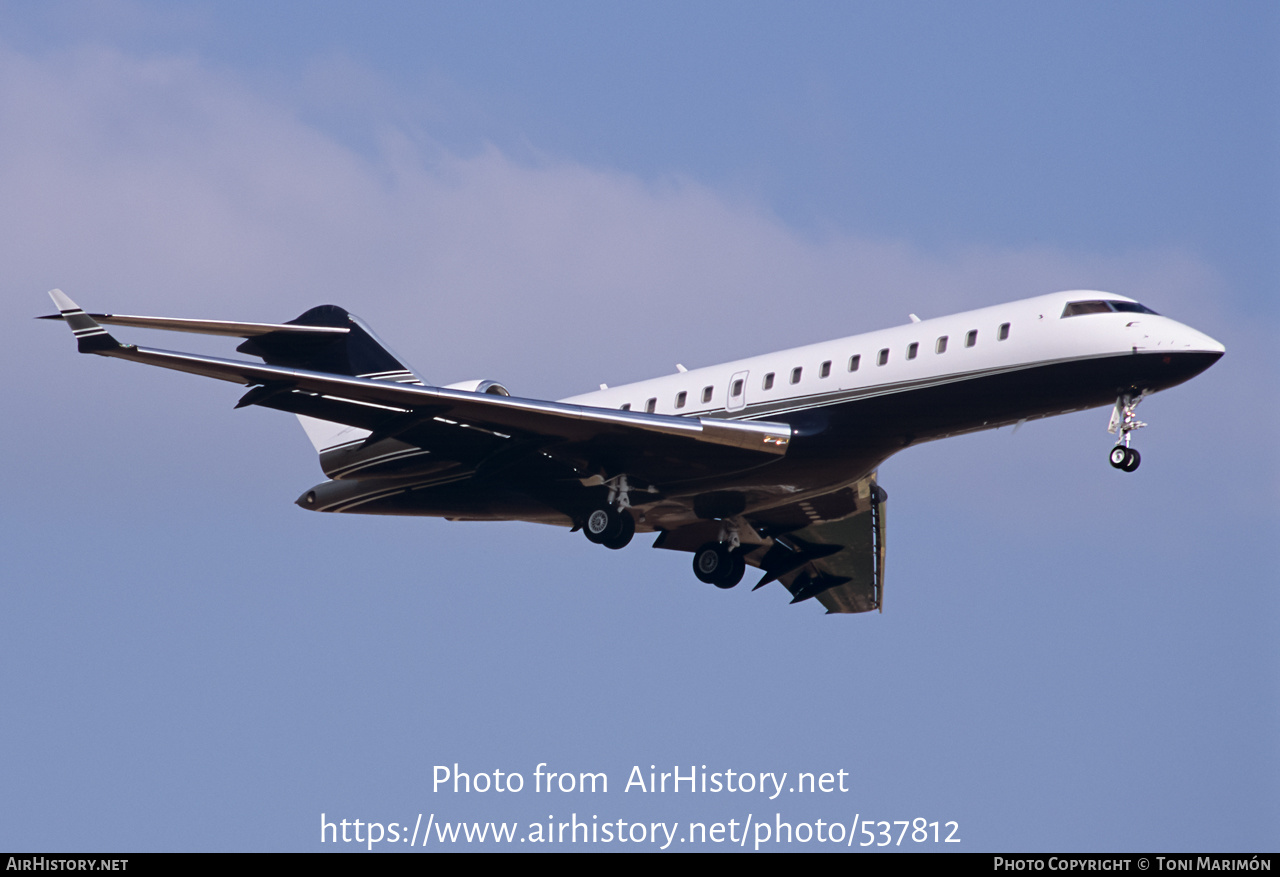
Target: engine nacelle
{"x":493,"y":388}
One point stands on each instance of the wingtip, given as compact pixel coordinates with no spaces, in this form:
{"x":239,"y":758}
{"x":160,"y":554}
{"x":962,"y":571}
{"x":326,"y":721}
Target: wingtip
{"x":62,"y":301}
{"x":90,"y":336}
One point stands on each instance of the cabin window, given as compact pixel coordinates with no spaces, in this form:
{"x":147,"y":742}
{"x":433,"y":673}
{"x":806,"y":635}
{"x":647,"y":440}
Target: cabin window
{"x":680,"y":398}
{"x":795,"y":374}
{"x":1003,"y":334}
{"x":825,"y":371}
{"x":971,"y":339}
{"x":651,"y":405}
{"x":883,"y":357}
{"x":737,"y":388}
{"x":706,"y":394}
{"x":941,"y":345}
{"x":768,"y":381}
{"x":912,"y":349}
{"x":626,"y":406}
{"x":854,"y":362}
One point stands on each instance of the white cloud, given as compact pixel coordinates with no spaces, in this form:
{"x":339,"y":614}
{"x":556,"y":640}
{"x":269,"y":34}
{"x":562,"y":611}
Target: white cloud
{"x":155,"y":184}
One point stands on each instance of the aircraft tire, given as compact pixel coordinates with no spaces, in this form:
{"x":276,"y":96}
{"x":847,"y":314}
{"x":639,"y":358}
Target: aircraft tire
{"x":733,"y":572}
{"x":712,"y":562}
{"x":602,"y":525}
{"x":1119,"y":456}
{"x":626,"y":530}
{"x":1132,"y":461}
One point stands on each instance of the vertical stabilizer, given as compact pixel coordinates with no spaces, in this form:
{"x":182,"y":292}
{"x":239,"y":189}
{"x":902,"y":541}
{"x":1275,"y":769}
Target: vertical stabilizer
{"x":355,"y":353}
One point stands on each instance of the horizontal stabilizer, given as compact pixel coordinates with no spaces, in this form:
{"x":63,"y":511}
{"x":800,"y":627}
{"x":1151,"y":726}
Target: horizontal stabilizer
{"x":208,"y":327}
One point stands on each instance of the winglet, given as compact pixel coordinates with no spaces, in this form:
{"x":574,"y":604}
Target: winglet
{"x":90,"y":337}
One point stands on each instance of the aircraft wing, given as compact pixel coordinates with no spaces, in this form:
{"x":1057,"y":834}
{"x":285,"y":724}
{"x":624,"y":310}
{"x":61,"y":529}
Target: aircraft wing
{"x":829,"y":547}
{"x":638,"y":443}
{"x":850,"y":579}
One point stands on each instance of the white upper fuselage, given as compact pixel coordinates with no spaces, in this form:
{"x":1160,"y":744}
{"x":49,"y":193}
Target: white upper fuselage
{"x":1011,"y":336}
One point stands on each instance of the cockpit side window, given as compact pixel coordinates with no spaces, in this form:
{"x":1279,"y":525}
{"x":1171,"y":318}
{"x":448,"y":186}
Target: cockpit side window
{"x":1131,"y":307}
{"x":1076,"y":308}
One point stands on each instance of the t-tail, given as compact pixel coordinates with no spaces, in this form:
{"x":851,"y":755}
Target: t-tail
{"x":326,"y":339}
{"x":358,"y":352}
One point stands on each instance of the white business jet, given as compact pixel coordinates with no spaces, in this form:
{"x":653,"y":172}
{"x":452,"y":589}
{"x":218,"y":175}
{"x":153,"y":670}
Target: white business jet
{"x":767,"y":462}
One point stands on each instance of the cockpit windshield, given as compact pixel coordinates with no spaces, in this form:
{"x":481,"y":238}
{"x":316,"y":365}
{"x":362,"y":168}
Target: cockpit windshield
{"x":1077,"y":308}
{"x":1131,"y":307}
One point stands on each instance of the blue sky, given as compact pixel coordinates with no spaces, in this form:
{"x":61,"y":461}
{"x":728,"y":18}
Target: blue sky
{"x":558,"y":195}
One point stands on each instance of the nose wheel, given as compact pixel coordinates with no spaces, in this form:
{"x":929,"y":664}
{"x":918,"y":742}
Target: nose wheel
{"x":1124,"y":458}
{"x":1124,"y":421}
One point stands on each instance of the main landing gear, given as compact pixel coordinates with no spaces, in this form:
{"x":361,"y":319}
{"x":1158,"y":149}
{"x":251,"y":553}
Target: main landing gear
{"x":611,"y":525}
{"x":723,"y":562}
{"x":717,"y":564}
{"x":1124,"y":421}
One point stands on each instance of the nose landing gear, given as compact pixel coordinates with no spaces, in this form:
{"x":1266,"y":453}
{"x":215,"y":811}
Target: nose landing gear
{"x":1125,"y":458}
{"x":1124,"y":421}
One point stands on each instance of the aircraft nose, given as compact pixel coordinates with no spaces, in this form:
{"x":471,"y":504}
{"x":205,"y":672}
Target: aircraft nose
{"x":1178,"y":337}
{"x":1195,"y":341}
{"x":1209,"y":345}
{"x":1190,"y":352}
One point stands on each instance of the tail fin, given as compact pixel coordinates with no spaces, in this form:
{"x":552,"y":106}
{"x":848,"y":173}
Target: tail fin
{"x":357,"y":353}
{"x":324,"y":339}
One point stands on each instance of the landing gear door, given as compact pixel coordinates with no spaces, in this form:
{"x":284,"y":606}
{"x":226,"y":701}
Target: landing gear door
{"x":736,"y":399}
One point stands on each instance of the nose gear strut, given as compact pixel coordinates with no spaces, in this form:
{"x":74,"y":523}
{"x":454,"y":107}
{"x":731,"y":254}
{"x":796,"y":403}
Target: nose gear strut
{"x":1124,"y":421}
